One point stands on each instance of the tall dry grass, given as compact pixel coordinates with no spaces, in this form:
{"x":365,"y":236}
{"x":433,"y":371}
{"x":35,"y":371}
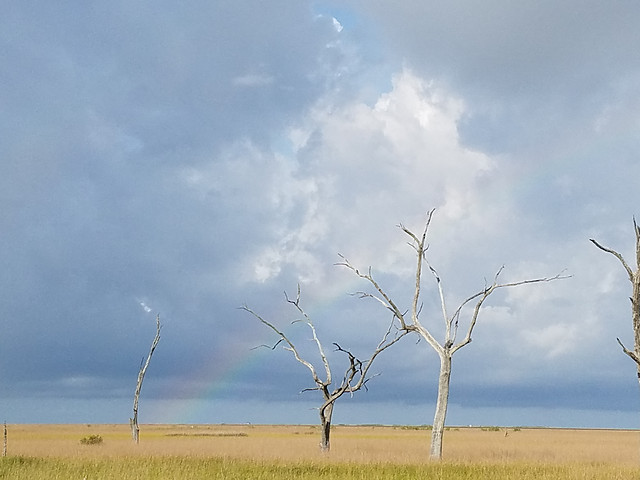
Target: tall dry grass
{"x":245,"y":451}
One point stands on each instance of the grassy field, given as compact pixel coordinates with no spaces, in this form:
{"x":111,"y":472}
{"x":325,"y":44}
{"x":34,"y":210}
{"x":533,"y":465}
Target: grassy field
{"x":270,"y":452}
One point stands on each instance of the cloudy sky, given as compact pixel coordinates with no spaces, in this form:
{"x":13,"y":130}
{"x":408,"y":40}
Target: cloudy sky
{"x":185,"y":159}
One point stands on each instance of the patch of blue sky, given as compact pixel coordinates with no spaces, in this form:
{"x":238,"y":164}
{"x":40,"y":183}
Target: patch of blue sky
{"x":345,"y":17}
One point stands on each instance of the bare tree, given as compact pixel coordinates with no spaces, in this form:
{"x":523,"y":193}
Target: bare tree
{"x":409,"y":321}
{"x":355,"y":376}
{"x":135,"y":429}
{"x":634,"y":278}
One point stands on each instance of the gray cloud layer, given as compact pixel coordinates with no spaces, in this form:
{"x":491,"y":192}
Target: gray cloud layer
{"x":194,"y":158}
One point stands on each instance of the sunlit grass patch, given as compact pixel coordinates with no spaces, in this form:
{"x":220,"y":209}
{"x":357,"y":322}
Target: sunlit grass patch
{"x":179,"y":467}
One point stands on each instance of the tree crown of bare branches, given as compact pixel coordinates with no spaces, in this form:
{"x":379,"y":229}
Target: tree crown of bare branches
{"x":356,"y":373}
{"x":413,"y":323}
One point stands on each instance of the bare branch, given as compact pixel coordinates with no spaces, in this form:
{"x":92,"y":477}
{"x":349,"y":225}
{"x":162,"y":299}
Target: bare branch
{"x":273,"y":347}
{"x":310,"y":389}
{"x":387,"y":333}
{"x":308,"y":321}
{"x":483,"y":294}
{"x":631,"y":354}
{"x":376,"y":298}
{"x":382,"y":346}
{"x":636,"y":229}
{"x":443,"y":305}
{"x":419,"y":245}
{"x":291,"y":347}
{"x":355,"y":367}
{"x":617,"y":255}
{"x":474,"y":316}
{"x":388,"y":303}
{"x":535,"y":280}
{"x":420,"y":250}
{"x":359,"y":369}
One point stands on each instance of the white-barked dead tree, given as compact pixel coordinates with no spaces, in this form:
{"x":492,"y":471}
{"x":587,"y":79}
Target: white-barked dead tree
{"x":409,"y":320}
{"x":634,"y":278}
{"x":354,"y":378}
{"x":133,"y":421}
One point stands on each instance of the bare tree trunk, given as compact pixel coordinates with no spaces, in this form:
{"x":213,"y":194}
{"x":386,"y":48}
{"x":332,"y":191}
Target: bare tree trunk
{"x":4,"y":444}
{"x":441,"y":406}
{"x":325,"y":420}
{"x":635,"y":314}
{"x":135,"y":429}
{"x":635,"y":308}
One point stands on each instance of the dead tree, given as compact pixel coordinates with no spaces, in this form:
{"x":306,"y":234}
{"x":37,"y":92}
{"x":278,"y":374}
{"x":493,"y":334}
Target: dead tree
{"x":355,"y":376}
{"x":135,"y":429}
{"x":634,"y":278}
{"x":409,"y":321}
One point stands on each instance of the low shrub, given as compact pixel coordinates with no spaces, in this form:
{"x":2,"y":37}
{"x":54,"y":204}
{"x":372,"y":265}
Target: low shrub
{"x":91,"y":440}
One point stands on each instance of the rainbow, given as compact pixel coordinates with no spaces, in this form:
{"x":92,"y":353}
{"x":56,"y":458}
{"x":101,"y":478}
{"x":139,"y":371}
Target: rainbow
{"x":219,"y":372}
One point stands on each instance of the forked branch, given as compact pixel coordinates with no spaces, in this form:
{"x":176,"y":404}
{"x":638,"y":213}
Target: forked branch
{"x":308,"y":321}
{"x":484,"y":294}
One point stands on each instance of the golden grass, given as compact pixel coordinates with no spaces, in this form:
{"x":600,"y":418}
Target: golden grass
{"x":349,"y":443}
{"x":165,"y":468}
{"x":231,"y":451}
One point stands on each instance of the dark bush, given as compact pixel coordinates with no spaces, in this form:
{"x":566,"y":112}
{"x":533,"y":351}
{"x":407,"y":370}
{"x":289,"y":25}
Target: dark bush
{"x":91,"y":440}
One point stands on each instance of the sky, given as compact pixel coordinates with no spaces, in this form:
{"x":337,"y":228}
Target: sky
{"x":185,"y":159}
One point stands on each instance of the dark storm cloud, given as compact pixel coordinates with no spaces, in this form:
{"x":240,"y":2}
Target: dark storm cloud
{"x":104,"y":106}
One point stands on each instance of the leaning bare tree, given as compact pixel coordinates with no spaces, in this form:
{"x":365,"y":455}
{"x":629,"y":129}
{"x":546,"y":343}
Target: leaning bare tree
{"x":409,"y":321}
{"x":135,"y":429}
{"x":355,"y":376}
{"x":634,"y":278}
